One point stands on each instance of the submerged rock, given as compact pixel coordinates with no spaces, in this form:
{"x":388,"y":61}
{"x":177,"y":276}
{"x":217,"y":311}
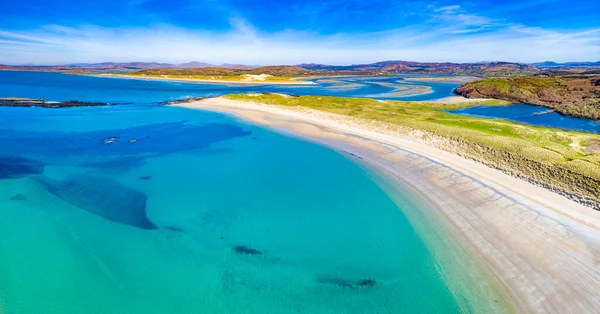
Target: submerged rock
{"x":12,"y":167}
{"x":348,"y":284}
{"x":18,"y":197}
{"x":176,"y":229}
{"x":366,"y":283}
{"x":103,"y":197}
{"x":242,"y":249}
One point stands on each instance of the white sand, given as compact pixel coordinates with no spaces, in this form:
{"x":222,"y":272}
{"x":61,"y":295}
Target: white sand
{"x":458,"y":99}
{"x":542,"y":248}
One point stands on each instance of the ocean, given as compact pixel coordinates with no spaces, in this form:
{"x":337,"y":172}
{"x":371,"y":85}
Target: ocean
{"x":146,"y":208}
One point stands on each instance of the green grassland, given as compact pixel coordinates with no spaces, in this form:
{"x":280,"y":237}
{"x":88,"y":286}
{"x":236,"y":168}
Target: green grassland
{"x":567,"y":162}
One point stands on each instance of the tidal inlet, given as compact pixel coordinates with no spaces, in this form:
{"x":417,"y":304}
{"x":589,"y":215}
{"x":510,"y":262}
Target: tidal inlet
{"x":312,"y":157}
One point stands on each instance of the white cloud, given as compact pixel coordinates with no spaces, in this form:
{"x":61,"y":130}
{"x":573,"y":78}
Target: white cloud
{"x":54,"y":44}
{"x":448,"y":9}
{"x":244,"y":29}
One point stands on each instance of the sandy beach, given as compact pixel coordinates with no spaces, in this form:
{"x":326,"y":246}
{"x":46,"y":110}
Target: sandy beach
{"x":458,"y":99}
{"x":210,"y":81}
{"x":541,"y":249}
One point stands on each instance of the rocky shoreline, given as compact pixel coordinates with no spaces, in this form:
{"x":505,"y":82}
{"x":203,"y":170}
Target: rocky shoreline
{"x":31,"y":102}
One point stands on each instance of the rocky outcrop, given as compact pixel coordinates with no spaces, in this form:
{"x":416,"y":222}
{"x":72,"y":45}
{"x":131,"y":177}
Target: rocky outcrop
{"x":29,"y":102}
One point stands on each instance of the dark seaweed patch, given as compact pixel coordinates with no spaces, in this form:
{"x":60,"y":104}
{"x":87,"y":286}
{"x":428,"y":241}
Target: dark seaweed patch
{"x":366,"y":283}
{"x":348,"y":284}
{"x":174,"y":229}
{"x":103,"y":197}
{"x":242,"y":249}
{"x":18,"y":197}
{"x":12,"y":167}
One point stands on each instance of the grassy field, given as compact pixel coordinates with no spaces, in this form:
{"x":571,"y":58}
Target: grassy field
{"x":567,"y":162}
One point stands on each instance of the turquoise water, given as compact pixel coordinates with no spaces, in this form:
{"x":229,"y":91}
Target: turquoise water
{"x":145,"y":208}
{"x":533,"y":115}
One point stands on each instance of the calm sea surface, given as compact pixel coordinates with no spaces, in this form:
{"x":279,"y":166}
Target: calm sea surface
{"x":534,"y":115}
{"x":144,"y":208}
{"x":60,"y":87}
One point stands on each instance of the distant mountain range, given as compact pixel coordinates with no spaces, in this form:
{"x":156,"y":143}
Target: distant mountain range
{"x":126,"y":66}
{"x":156,"y":65}
{"x":377,"y":68}
{"x":480,"y":68}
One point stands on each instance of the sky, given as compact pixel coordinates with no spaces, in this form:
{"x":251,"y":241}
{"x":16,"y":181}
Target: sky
{"x":297,"y":31}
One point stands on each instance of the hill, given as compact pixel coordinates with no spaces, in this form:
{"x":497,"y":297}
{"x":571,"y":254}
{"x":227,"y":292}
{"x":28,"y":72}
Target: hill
{"x":480,"y":69}
{"x":278,"y":71}
{"x":396,"y":67}
{"x":379,"y":68}
{"x":120,"y":66}
{"x":570,"y":95}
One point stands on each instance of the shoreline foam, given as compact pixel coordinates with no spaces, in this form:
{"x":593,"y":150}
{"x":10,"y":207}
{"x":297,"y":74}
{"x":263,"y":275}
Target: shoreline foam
{"x":541,"y":248}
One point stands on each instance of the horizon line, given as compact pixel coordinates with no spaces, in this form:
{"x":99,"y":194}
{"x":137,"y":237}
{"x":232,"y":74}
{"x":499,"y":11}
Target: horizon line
{"x":283,"y":64}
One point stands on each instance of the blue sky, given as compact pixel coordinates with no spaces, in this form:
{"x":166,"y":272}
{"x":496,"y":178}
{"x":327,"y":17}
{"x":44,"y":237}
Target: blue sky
{"x":295,"y":31}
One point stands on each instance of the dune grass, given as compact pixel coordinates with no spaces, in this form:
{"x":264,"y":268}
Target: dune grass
{"x":567,"y":162}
